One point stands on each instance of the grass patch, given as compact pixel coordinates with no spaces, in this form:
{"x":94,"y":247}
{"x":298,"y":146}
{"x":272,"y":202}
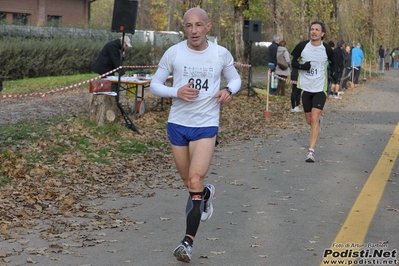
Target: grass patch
{"x":43,"y":84}
{"x":261,"y":69}
{"x":4,"y":181}
{"x":22,"y":131}
{"x":133,"y":147}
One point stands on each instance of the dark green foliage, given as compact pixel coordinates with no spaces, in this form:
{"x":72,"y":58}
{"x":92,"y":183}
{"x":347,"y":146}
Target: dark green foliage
{"x":28,"y":58}
{"x":259,"y":55}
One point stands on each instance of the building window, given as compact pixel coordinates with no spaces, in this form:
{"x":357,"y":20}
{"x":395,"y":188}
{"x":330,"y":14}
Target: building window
{"x":54,"y":21}
{"x":20,"y":19}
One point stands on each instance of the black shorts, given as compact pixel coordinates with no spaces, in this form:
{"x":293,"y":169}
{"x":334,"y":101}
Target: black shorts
{"x":313,"y":100}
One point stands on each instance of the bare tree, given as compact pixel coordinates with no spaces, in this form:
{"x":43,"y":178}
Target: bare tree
{"x":371,"y":22}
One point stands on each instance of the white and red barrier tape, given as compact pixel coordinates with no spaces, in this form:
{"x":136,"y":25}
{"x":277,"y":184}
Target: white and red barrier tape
{"x":285,"y":79}
{"x":278,"y":77}
{"x":154,"y":66}
{"x":241,"y":64}
{"x":76,"y":85}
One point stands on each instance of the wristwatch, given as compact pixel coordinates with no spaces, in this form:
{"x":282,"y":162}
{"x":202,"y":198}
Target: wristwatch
{"x":229,"y":90}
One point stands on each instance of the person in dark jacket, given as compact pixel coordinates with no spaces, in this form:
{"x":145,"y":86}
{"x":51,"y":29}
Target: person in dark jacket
{"x":387,"y":59}
{"x":272,"y":59}
{"x":381,"y":53}
{"x":330,"y":79}
{"x":110,"y":56}
{"x":346,"y":74}
{"x":336,"y":74}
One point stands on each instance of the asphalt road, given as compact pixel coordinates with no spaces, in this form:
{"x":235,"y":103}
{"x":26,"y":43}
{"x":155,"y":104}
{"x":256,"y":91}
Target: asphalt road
{"x":271,"y":207}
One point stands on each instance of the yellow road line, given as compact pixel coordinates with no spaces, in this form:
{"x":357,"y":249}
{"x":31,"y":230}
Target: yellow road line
{"x":356,"y":225}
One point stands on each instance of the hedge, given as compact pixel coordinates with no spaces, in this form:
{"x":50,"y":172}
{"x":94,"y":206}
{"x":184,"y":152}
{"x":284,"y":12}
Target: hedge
{"x":28,"y":52}
{"x":28,"y":58}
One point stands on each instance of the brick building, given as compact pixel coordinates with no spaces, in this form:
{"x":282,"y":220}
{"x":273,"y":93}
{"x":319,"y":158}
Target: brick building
{"x":45,"y":12}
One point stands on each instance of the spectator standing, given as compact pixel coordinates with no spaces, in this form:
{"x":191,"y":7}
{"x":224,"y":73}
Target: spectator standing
{"x":311,"y":59}
{"x":339,"y":60}
{"x":381,"y":53}
{"x":332,"y":45}
{"x":347,"y":68}
{"x":387,"y":59}
{"x":110,"y":58}
{"x":395,"y":56}
{"x":348,"y":63}
{"x":357,"y":60}
{"x":283,"y":73}
{"x":196,"y":65}
{"x":272,"y":59}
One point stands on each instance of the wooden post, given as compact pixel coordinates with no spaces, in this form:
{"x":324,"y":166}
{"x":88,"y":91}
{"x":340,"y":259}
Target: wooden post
{"x":352,"y":85}
{"x":103,"y":109}
{"x":266,"y":113}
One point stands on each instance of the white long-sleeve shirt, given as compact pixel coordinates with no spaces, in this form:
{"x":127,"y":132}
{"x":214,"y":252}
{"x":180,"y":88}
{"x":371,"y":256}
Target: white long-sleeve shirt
{"x":204,"y":68}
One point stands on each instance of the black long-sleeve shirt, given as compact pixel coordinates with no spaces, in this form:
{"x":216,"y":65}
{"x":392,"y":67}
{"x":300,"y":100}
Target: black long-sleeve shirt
{"x":109,"y":58}
{"x":339,"y":58}
{"x":272,"y":53}
{"x":381,"y":52}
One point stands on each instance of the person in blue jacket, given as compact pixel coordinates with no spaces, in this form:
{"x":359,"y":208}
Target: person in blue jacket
{"x":357,"y":60}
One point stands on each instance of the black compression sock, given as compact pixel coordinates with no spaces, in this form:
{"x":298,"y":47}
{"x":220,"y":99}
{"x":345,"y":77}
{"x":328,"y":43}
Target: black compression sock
{"x":193,"y":212}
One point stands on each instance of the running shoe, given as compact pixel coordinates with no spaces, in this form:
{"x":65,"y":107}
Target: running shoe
{"x":183,"y":252}
{"x":208,"y":207}
{"x":297,"y":109}
{"x":310,"y":156}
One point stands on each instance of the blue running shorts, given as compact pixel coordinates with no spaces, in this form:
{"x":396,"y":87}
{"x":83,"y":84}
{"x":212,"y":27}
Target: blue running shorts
{"x":180,"y":135}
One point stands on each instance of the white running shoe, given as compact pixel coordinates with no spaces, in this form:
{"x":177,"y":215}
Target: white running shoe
{"x":295,"y":109}
{"x":208,"y":207}
{"x":183,"y":252}
{"x":310,"y":156}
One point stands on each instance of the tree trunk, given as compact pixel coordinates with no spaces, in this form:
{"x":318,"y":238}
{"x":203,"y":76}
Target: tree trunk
{"x":242,"y":47}
{"x":103,"y":109}
{"x":238,"y":33}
